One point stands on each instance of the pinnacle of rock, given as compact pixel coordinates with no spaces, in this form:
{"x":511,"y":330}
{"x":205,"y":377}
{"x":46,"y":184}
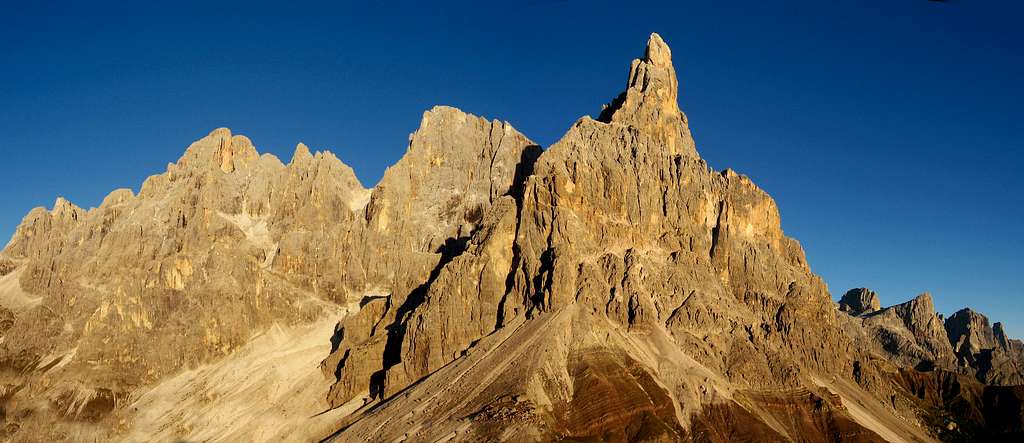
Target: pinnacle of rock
{"x":650,"y":102}
{"x":222,"y":150}
{"x":62,"y":208}
{"x":1000,"y":335}
{"x":658,"y":53}
{"x":301,"y":153}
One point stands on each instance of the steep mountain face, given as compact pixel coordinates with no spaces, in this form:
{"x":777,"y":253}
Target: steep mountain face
{"x":224,"y":244}
{"x":626,"y":265}
{"x":180,"y":274}
{"x":985,"y":349}
{"x":613,"y":287}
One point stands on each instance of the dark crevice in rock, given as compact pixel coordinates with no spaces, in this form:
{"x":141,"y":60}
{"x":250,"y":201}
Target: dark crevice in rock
{"x":452,"y":247}
{"x":337,"y":337}
{"x":341,"y":364}
{"x":543,"y":280}
{"x":369,"y":298}
{"x":716,"y":230}
{"x":524,"y":169}
{"x":609,"y":109}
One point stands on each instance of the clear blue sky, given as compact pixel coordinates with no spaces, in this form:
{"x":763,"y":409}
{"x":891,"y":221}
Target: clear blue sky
{"x":889,"y":132}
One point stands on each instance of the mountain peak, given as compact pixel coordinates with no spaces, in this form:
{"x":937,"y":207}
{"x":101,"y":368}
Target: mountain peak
{"x":64,"y":209}
{"x":222,"y":150}
{"x":301,"y":153}
{"x":650,"y":101}
{"x":658,"y":52}
{"x":926,"y":298}
{"x":860,"y":301}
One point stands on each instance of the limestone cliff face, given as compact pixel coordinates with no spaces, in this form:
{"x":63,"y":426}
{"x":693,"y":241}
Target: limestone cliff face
{"x":623,"y":246}
{"x":613,"y":287}
{"x":435,"y":204}
{"x":229,"y":241}
{"x":192,"y":263}
{"x":214,"y":250}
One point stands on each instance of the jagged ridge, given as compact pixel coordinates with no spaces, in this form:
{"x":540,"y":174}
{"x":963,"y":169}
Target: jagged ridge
{"x":612,"y":287}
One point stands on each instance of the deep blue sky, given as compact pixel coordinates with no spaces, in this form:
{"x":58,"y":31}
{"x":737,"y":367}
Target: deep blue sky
{"x":889,"y":132}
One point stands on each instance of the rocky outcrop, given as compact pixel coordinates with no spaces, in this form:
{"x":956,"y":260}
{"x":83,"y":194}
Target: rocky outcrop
{"x":860,"y":301}
{"x":7,"y":266}
{"x":919,"y":317}
{"x":984,"y":349}
{"x":910,"y":334}
{"x":970,"y":333}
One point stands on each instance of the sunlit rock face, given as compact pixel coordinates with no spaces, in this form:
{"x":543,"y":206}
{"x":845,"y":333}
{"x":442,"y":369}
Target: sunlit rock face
{"x":623,"y":262}
{"x":613,"y":287}
{"x":860,"y":301}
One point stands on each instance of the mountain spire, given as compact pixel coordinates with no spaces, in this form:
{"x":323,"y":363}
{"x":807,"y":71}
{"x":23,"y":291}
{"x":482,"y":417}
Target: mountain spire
{"x":650,"y":102}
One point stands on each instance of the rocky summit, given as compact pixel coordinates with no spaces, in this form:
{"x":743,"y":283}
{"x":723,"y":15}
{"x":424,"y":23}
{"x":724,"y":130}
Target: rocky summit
{"x":611,"y":287}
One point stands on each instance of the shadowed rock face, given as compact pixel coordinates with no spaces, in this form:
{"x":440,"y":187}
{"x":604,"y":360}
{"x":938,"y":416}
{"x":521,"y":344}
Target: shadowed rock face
{"x":860,"y":301}
{"x":912,"y":335}
{"x":985,"y":348}
{"x":960,"y":408}
{"x":909,"y":335}
{"x":970,"y":334}
{"x":611,"y":288}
